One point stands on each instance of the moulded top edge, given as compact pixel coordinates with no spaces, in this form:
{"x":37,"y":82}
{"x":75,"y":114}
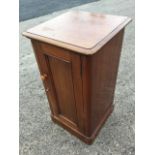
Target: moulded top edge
{"x":81,"y":32}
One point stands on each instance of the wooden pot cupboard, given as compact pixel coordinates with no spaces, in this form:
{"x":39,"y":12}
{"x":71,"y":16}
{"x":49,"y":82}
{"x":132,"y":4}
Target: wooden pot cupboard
{"x":78,"y":56}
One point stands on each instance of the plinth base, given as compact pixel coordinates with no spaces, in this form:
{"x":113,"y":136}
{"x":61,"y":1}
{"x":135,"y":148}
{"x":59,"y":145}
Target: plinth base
{"x":80,"y":135}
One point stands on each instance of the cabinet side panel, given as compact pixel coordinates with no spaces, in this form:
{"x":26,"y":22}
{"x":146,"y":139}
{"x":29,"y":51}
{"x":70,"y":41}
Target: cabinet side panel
{"x":104,"y":67}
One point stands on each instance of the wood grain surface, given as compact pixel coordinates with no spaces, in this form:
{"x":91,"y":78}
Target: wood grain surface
{"x":81,"y":32}
{"x":80,"y":86}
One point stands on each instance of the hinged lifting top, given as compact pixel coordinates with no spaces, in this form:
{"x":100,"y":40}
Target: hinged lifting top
{"x":81,"y":32}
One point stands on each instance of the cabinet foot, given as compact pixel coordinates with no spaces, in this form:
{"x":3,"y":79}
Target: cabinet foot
{"x":80,"y":135}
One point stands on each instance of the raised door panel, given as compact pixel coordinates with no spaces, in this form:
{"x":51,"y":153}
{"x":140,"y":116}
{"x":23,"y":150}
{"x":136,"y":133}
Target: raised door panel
{"x":62,"y":77}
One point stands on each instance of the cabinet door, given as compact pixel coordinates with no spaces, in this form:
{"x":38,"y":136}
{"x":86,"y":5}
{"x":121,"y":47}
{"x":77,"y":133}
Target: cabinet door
{"x":63,"y":83}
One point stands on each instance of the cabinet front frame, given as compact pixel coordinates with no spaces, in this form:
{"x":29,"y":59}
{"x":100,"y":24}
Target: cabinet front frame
{"x":42,"y":52}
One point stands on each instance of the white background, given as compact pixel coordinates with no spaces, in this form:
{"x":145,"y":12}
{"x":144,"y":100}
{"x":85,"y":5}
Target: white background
{"x":145,"y":77}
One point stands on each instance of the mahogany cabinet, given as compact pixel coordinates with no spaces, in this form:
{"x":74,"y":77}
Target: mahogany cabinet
{"x":78,"y":56}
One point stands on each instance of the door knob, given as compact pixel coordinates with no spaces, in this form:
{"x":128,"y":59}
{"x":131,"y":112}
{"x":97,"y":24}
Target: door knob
{"x":47,"y":89}
{"x":43,"y":77}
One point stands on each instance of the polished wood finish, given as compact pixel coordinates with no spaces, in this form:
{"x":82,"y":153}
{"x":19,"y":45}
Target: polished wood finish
{"x":78,"y":31}
{"x":64,"y":82}
{"x":79,"y":85}
{"x":99,"y":76}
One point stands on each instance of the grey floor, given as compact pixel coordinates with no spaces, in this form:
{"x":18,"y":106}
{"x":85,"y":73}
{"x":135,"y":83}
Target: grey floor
{"x":34,"y":8}
{"x":40,"y":136}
